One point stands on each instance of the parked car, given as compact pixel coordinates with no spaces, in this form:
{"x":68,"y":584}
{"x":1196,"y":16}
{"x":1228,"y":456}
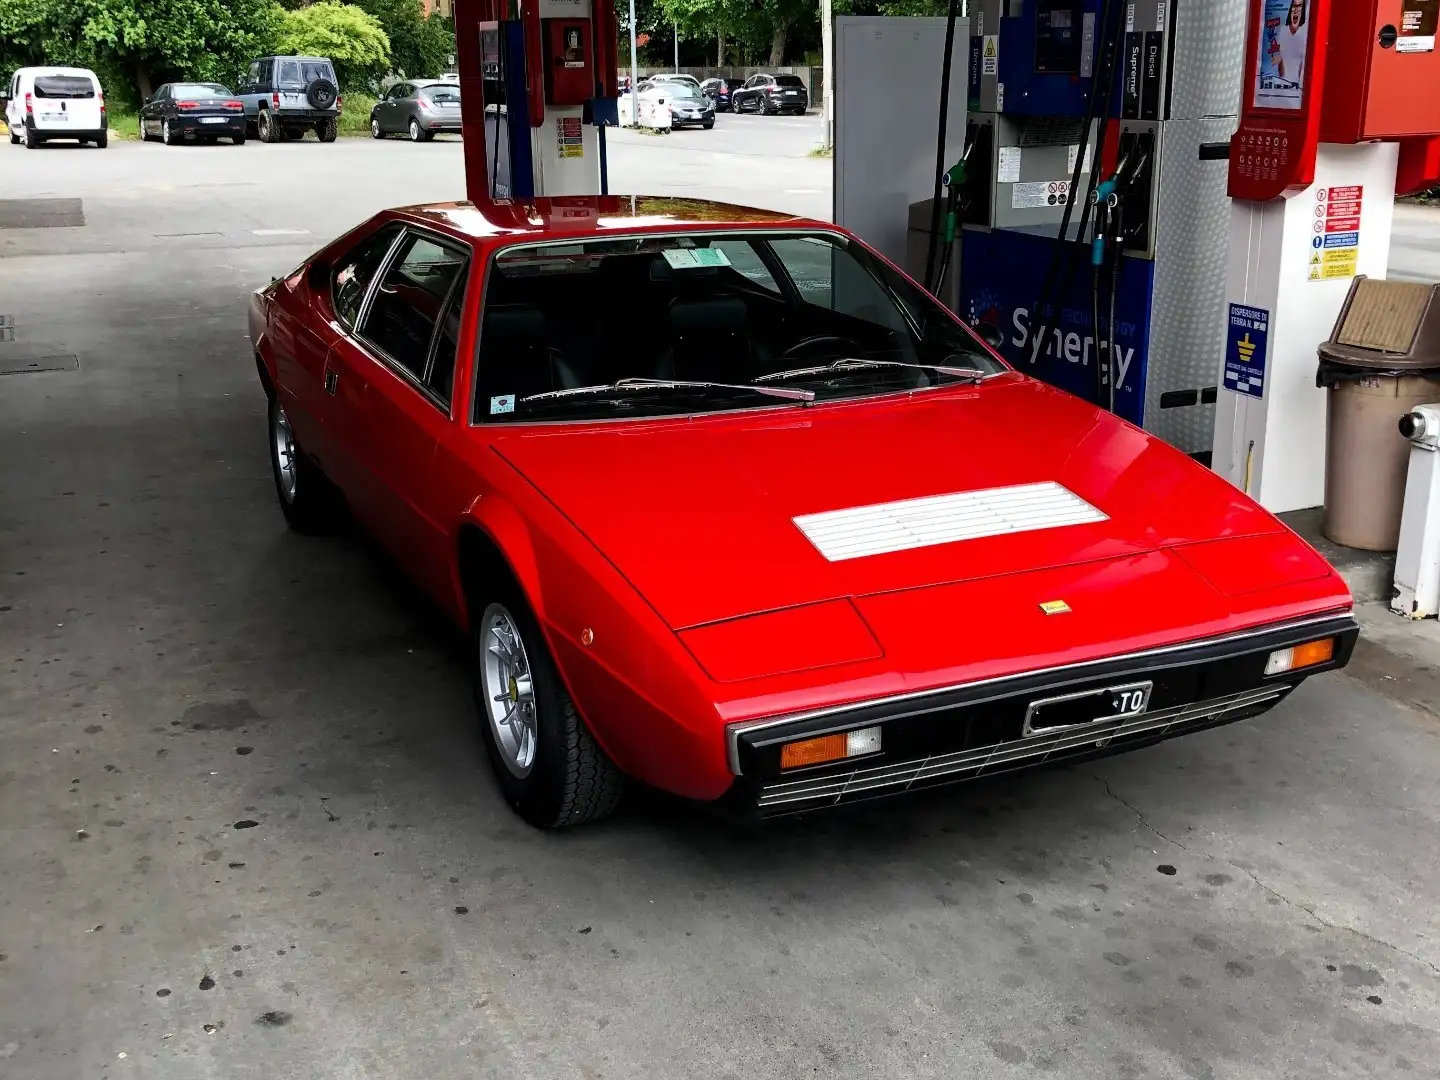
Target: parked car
{"x":190,"y":112}
{"x":677,"y":77}
{"x":719,"y":91}
{"x":286,"y":96}
{"x":418,"y":109}
{"x":688,"y":107}
{"x":770,"y":94}
{"x":47,"y":103}
{"x":861,"y":573}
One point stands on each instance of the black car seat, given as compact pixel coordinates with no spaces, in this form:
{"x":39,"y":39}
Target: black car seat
{"x":515,"y":355}
{"x":709,"y":341}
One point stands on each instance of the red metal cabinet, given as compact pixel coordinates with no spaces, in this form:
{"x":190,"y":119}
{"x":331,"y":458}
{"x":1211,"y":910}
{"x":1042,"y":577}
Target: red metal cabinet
{"x":1382,"y":78}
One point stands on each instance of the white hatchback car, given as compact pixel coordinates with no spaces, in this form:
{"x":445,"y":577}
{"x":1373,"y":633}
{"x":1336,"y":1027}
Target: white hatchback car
{"x":45,"y":103}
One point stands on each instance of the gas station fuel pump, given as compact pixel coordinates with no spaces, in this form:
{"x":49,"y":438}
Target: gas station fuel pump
{"x":538,"y":87}
{"x":1095,"y":195}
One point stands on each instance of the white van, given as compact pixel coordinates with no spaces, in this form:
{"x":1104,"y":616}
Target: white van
{"x":44,"y":103}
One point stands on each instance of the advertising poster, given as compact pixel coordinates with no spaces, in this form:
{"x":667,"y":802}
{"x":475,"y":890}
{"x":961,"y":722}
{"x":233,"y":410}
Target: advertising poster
{"x":1280,"y":63}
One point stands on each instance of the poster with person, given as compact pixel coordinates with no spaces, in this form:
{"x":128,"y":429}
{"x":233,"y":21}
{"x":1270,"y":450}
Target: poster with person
{"x":1280,"y":65}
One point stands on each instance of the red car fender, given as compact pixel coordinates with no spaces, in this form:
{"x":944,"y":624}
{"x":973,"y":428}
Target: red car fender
{"x":666,"y":732}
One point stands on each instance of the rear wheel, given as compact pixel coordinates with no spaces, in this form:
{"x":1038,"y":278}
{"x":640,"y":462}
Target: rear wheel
{"x":548,"y":766}
{"x":306,"y":498}
{"x":167,"y":136}
{"x":31,"y":139}
{"x":103,"y":141}
{"x":327,"y":130}
{"x":417,"y":133}
{"x":238,"y":140}
{"x":269,"y":130}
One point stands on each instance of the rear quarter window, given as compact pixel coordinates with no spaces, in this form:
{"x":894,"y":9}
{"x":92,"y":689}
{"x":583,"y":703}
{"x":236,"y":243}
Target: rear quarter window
{"x":788,"y":80}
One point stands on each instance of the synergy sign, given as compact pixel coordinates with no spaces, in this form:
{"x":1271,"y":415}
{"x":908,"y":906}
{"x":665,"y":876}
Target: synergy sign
{"x":1000,"y":280}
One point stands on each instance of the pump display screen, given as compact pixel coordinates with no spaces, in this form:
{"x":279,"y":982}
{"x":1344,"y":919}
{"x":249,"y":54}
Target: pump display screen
{"x":1057,"y":37}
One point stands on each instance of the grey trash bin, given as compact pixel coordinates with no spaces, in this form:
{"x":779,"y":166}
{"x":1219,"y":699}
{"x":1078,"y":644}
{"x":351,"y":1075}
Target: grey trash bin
{"x":1382,"y":360}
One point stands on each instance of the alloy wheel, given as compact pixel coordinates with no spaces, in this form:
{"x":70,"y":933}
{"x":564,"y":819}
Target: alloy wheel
{"x":286,"y":466}
{"x":508,"y":689}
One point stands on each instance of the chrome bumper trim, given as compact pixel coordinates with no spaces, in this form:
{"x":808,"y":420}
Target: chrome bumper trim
{"x":735,"y":730}
{"x":901,"y":775}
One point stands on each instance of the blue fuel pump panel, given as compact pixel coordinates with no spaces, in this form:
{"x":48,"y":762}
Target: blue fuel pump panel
{"x":1047,"y":58}
{"x":1001,"y":276}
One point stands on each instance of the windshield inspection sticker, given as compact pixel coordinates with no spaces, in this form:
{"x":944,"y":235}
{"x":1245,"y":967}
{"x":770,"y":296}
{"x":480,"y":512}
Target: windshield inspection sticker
{"x":505,"y":403}
{"x":695,"y":258}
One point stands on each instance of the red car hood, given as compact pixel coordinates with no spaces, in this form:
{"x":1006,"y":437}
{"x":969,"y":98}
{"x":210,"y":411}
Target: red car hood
{"x":699,"y":514}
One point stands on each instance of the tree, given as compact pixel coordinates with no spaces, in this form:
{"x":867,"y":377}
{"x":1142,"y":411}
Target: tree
{"x":344,"y":33}
{"x":420,"y":45}
{"x":756,"y":26}
{"x":139,"y":43}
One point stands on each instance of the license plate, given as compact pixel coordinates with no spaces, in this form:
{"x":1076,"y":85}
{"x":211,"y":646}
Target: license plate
{"x":1053,"y":714}
{"x":212,"y":120}
{"x":791,"y":93}
{"x":55,"y":117}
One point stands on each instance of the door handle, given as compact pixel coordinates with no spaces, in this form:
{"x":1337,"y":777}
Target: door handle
{"x":332,"y":381}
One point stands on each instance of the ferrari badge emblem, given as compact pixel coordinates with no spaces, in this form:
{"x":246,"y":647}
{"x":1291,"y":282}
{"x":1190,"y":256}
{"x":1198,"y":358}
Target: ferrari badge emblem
{"x":1055,"y":607}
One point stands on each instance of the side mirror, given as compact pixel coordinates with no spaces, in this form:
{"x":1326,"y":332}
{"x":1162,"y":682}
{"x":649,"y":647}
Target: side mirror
{"x":991,"y":335}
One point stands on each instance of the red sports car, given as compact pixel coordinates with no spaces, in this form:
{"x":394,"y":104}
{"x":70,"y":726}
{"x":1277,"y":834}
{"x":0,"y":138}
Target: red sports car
{"x":730,"y":506}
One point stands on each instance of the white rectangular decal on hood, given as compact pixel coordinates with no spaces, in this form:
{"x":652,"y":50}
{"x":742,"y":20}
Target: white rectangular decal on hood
{"x":944,"y":519}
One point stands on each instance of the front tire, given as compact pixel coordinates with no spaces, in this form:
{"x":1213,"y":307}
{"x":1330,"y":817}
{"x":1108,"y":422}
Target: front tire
{"x":547,"y":764}
{"x":375,"y":130}
{"x":306,"y":498}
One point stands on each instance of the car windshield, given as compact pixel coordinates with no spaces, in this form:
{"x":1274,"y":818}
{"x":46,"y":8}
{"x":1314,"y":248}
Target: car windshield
{"x":788,"y":80}
{"x":441,"y":93}
{"x":184,"y":91}
{"x":683,"y":323}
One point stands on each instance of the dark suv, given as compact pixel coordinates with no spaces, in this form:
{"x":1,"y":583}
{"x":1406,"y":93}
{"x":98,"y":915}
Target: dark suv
{"x":286,"y":96}
{"x":768,"y":94}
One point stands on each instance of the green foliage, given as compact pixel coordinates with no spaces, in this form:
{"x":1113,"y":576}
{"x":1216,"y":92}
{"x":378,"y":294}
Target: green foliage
{"x":137,"y":44}
{"x":355,"y":117}
{"x":419,"y":46}
{"x":351,"y":38}
{"x":762,"y":29}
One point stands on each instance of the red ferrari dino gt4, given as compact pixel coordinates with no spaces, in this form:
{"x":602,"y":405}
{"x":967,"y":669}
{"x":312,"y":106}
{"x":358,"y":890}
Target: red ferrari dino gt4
{"x":731,"y":506}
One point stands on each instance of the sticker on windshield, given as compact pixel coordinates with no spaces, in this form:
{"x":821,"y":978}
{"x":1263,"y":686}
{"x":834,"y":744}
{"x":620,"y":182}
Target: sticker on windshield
{"x":695,"y":258}
{"x":505,"y":403}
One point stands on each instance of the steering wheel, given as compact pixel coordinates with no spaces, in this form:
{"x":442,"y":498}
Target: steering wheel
{"x":837,"y":343}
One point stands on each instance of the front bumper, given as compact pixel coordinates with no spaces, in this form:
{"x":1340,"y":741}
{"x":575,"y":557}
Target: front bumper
{"x":706,"y":117}
{"x":965,"y":732}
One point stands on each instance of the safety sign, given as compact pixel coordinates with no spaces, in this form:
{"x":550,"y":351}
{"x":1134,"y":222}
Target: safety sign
{"x":1044,"y":193}
{"x":990,"y":55}
{"x":1008,"y":170}
{"x":570,"y":137}
{"x":1418,"y":20}
{"x":1335,"y":239}
{"x":1246,"y":342}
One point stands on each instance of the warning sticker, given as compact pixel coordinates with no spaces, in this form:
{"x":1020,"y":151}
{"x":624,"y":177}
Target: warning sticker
{"x":1072,"y":153}
{"x":1045,"y":193}
{"x":990,"y":55}
{"x":1000,"y":97}
{"x":1008,"y":169}
{"x":1418,"y":20}
{"x":569,"y":137}
{"x":1335,"y":243}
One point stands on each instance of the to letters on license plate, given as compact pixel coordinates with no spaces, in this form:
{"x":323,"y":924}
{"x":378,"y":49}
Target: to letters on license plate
{"x":1087,"y":707}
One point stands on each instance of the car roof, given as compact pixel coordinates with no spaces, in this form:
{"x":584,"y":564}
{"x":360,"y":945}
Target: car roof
{"x":40,"y":72}
{"x":595,"y":216}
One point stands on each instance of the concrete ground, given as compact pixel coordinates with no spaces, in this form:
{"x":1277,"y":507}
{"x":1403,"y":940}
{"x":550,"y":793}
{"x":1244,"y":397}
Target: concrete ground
{"x":248,"y":831}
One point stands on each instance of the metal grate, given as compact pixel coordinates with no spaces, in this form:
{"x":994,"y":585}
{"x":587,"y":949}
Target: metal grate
{"x":41,"y":213}
{"x":9,"y":366}
{"x":945,"y":519}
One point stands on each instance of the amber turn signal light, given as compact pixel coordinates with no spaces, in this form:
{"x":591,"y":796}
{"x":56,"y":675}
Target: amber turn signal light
{"x":827,"y":748}
{"x":1300,"y":656}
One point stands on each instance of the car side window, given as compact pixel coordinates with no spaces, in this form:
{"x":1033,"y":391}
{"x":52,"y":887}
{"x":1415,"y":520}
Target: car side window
{"x":355,"y":271}
{"x":267,"y":72}
{"x":405,"y":309}
{"x":440,"y":376}
{"x":254,"y":74}
{"x":289,"y":73}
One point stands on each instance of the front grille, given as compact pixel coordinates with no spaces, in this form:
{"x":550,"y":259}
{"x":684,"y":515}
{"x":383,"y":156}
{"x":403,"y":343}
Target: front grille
{"x":1017,"y":753}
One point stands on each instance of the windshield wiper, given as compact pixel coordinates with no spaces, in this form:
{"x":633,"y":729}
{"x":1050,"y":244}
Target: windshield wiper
{"x":670,"y":384}
{"x":853,"y":363}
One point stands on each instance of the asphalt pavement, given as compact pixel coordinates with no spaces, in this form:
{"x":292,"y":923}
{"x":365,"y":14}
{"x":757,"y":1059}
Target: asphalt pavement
{"x":247,"y":829}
